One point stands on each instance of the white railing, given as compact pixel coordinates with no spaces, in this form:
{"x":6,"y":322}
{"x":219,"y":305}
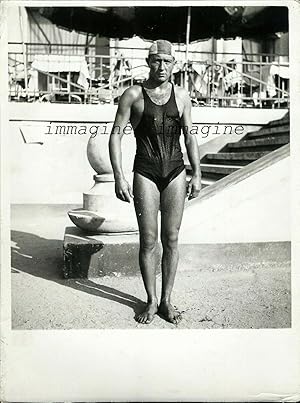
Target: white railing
{"x":260,"y":81}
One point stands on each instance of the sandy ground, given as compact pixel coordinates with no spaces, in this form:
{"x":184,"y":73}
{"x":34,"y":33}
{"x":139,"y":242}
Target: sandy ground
{"x":252,"y":295}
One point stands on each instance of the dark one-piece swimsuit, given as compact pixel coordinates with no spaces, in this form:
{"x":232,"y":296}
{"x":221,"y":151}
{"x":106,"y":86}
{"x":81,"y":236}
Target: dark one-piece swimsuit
{"x":158,"y":152}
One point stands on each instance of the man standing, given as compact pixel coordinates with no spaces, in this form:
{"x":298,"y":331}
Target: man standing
{"x":157,"y":111}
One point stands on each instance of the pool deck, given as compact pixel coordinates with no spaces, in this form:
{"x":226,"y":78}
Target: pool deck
{"x":240,"y":293}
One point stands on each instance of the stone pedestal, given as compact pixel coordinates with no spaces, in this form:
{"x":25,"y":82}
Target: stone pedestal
{"x":119,"y":216}
{"x":102,"y":211}
{"x":106,"y":241}
{"x":100,"y":255}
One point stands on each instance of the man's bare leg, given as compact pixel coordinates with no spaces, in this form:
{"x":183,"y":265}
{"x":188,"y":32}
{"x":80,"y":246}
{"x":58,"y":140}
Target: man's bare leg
{"x":146,"y":203}
{"x":172,"y":204}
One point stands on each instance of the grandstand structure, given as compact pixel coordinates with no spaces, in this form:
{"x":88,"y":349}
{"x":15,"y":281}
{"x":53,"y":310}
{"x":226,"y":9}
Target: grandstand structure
{"x":50,"y":64}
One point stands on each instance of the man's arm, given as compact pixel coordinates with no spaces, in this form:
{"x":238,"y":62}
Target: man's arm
{"x":191,"y":146}
{"x":122,"y":187}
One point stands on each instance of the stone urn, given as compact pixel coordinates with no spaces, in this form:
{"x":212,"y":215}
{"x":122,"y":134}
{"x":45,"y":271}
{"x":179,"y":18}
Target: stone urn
{"x":102,"y":212}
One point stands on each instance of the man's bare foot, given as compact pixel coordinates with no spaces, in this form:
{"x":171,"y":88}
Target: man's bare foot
{"x":167,"y":311}
{"x":147,"y":315}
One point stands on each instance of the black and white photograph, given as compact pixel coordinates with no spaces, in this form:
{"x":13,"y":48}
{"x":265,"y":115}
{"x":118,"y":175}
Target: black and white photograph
{"x":149,"y":190}
{"x":149,"y":169}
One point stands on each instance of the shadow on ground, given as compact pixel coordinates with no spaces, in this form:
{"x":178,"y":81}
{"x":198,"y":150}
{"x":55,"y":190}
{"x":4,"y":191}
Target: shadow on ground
{"x":43,"y":258}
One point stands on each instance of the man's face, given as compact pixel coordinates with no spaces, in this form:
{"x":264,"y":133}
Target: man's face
{"x":161,"y":66}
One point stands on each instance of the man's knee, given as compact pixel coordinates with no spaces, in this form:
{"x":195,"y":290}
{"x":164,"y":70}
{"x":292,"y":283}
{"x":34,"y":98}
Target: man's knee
{"x":169,"y":239}
{"x":148,"y":241}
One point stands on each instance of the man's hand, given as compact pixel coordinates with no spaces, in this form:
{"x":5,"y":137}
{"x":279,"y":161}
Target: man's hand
{"x":194,"y":187}
{"x":123,"y":190}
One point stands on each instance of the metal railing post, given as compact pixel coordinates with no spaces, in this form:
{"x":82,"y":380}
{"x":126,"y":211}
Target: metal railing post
{"x":260,"y":77}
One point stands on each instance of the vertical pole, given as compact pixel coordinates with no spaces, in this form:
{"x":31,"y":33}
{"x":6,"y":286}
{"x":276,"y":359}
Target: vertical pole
{"x":90,"y":68}
{"x":111,"y":66}
{"x":212,"y":81}
{"x":86,"y":48}
{"x":279,"y":79}
{"x":187,"y":42}
{"x":101,"y":70}
{"x":24,"y":52}
{"x":260,"y":77}
{"x":69,"y":87}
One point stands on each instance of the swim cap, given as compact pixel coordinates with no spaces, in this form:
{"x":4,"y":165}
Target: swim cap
{"x":161,"y":46}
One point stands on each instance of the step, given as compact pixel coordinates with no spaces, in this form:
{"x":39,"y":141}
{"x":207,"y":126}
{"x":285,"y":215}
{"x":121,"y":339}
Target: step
{"x":266,"y":131}
{"x":272,"y":140}
{"x":117,"y":256}
{"x":262,"y":144}
{"x":223,"y":162}
{"x":208,"y":177}
{"x":211,"y":166}
{"x":268,"y":148}
{"x":278,"y":122}
{"x":243,"y":156}
{"x":204,"y":165}
{"x":244,"y":172}
{"x":219,"y":169}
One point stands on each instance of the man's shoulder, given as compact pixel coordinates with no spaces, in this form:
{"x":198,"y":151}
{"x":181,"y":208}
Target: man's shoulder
{"x":133,"y":92}
{"x":130,"y":96}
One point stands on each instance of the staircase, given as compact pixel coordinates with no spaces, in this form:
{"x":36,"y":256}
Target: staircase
{"x":250,"y":148}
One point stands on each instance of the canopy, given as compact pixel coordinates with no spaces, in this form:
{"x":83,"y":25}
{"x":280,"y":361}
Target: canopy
{"x":171,"y":22}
